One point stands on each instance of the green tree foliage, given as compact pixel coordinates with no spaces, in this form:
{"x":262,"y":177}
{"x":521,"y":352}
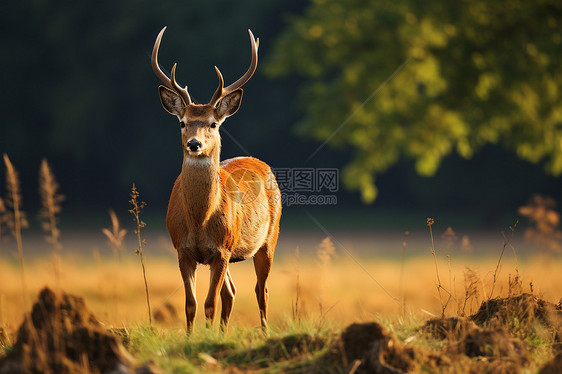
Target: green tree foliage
{"x":476,"y":72}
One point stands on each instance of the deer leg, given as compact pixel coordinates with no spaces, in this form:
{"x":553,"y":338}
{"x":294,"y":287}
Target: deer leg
{"x":187,"y":269}
{"x":228,"y":291}
{"x":262,"y":265}
{"x":219,"y":267}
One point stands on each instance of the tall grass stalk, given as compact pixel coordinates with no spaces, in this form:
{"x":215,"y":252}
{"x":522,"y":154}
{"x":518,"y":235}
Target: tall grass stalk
{"x":430,"y":223}
{"x":115,"y":238}
{"x":3,"y":217}
{"x":50,"y":200}
{"x":1,"y":310}
{"x":452,"y":285}
{"x":324,"y":253}
{"x":136,"y":211}
{"x":506,"y":242}
{"x":17,"y":221}
{"x":401,"y":294}
{"x":471,"y":294}
{"x":296,"y":307}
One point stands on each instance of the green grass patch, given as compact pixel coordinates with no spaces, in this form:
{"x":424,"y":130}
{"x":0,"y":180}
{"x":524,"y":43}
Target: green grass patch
{"x":289,"y":347}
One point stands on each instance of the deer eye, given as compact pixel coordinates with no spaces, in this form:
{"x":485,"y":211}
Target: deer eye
{"x":182,"y":125}
{"x":213,"y":125}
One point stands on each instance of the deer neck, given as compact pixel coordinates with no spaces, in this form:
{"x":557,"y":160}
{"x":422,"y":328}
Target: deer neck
{"x":200,"y":181}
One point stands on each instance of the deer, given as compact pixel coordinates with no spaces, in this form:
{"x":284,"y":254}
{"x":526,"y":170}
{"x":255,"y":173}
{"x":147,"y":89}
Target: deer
{"x":219,"y":212}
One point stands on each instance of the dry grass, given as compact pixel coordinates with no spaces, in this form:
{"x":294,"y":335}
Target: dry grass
{"x":296,"y":308}
{"x":318,"y":277}
{"x":440,"y":287}
{"x":115,"y":238}
{"x":3,"y":218}
{"x":50,"y":201}
{"x":15,"y":216}
{"x":351,"y":294}
{"x":136,"y":210}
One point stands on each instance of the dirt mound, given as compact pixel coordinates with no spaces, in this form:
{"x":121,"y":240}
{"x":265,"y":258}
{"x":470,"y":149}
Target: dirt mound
{"x":521,"y":314}
{"x":526,"y":308}
{"x":62,"y":336}
{"x":494,"y":344}
{"x":450,"y":328}
{"x":369,"y":348}
{"x":494,"y":349}
{"x":492,"y":367}
{"x":554,"y":366}
{"x":165,"y":314}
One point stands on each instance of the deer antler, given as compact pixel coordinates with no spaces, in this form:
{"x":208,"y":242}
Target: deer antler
{"x":223,"y":91}
{"x":170,"y":83}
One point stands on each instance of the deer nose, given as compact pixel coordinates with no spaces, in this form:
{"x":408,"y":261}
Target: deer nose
{"x":194,"y":145}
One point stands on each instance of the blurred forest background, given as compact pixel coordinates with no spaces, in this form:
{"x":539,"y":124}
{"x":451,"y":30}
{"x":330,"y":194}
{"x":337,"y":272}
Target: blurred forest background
{"x":424,"y":106}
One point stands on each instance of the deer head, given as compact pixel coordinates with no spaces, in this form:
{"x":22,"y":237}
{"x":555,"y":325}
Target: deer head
{"x":200,"y":122}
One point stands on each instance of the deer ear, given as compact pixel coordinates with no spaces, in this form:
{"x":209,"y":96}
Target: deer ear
{"x":171,"y":101}
{"x":229,"y":104}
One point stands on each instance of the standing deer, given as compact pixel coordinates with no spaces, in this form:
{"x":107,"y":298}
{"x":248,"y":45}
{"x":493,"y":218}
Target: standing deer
{"x":219,"y":212}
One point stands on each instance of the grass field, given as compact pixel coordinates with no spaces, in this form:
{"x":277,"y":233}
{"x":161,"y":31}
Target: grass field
{"x":315,"y":293}
{"x":340,"y":289}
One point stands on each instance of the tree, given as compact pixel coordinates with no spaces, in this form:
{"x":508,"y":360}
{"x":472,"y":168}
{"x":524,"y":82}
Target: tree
{"x":442,"y":76}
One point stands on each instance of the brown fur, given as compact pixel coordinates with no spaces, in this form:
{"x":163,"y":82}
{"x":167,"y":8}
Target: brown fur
{"x":196,"y":110}
{"x":221,"y":211}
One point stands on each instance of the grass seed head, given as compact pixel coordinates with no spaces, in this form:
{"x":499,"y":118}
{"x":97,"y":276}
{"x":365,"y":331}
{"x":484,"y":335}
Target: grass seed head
{"x":325,"y":251}
{"x":51,"y":204}
{"x":116,"y":235}
{"x":13,"y":198}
